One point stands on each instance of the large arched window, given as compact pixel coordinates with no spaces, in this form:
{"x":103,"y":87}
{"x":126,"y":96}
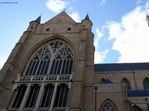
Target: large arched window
{"x":54,"y":57}
{"x":108,"y":105}
{"x":146,"y":83}
{"x":126,"y":83}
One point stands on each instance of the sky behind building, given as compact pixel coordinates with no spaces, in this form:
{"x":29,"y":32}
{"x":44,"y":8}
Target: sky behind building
{"x":120,"y":27}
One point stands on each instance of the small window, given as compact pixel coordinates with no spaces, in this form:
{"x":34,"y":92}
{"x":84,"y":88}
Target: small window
{"x":47,"y":29}
{"x":126,"y":83}
{"x":108,"y":105}
{"x":146,"y":83}
{"x":69,"y":29}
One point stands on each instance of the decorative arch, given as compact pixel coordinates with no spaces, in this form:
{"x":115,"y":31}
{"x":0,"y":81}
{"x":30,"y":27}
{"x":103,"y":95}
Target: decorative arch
{"x":126,"y":83}
{"x":136,"y":108}
{"x":54,"y":57}
{"x":146,"y":83}
{"x":108,"y":105}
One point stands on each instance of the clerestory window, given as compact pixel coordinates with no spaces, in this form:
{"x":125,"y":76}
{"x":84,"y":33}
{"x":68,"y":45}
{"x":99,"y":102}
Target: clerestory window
{"x":126,"y":83}
{"x":146,"y":83}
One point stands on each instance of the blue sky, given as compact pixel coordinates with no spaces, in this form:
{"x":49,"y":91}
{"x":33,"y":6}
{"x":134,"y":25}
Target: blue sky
{"x":120,"y":27}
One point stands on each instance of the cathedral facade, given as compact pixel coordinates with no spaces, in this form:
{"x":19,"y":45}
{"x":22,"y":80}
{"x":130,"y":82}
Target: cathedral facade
{"x":52,"y":68}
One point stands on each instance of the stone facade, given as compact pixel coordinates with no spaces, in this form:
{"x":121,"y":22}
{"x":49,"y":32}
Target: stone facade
{"x":87,"y":90}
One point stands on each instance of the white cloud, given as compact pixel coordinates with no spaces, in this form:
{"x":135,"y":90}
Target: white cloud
{"x":139,"y":2}
{"x":56,"y":5}
{"x":102,"y":2}
{"x":100,"y":56}
{"x":99,"y":35}
{"x":131,"y":36}
{"x":75,"y":16}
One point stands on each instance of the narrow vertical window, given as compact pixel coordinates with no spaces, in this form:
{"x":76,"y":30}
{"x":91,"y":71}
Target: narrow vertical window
{"x":19,"y":96}
{"x":47,"y":97}
{"x":126,"y":83}
{"x":146,"y":83}
{"x":32,"y":96}
{"x":61,"y":96}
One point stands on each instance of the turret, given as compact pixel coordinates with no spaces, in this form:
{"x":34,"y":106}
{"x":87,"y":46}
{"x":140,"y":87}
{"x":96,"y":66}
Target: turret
{"x":87,"y":23}
{"x":33,"y":24}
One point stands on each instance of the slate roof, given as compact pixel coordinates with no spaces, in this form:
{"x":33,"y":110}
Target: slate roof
{"x":87,"y":17}
{"x":38,"y":19}
{"x":121,"y":67}
{"x":137,"y":93}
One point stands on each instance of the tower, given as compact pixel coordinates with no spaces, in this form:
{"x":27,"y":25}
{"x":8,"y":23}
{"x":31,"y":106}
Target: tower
{"x":50,"y":67}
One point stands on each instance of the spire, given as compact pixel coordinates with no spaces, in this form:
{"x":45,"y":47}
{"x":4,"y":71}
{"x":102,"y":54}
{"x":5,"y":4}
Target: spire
{"x":38,"y":19}
{"x":87,"y":17}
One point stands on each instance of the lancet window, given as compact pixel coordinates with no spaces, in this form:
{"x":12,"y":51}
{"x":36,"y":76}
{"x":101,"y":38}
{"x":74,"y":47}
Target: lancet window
{"x":126,"y":83}
{"x":61,"y":96}
{"x":32,"y":96}
{"x":54,"y":57}
{"x":19,"y":94}
{"x":47,"y":97}
{"x":146,"y":83}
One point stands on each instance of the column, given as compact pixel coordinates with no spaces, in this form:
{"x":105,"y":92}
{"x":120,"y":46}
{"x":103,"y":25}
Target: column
{"x":25,"y":97}
{"x":39,"y":97}
{"x":53,"y":97}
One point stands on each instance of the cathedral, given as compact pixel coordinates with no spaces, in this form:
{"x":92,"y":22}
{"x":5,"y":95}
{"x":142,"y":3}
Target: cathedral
{"x":51,"y":68}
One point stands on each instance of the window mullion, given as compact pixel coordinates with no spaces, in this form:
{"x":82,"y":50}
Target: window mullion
{"x":50,"y":65}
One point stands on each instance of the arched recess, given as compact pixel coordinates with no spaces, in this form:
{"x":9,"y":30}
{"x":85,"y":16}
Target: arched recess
{"x":136,"y":108}
{"x":126,"y":83}
{"x":53,"y":57}
{"x":146,"y":83}
{"x":108,"y":105}
{"x":29,"y":52}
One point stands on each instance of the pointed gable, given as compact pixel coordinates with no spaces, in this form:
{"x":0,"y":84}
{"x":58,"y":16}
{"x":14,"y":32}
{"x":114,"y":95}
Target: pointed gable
{"x":62,"y":18}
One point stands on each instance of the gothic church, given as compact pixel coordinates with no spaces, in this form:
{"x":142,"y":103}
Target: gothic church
{"x":51,"y":68}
